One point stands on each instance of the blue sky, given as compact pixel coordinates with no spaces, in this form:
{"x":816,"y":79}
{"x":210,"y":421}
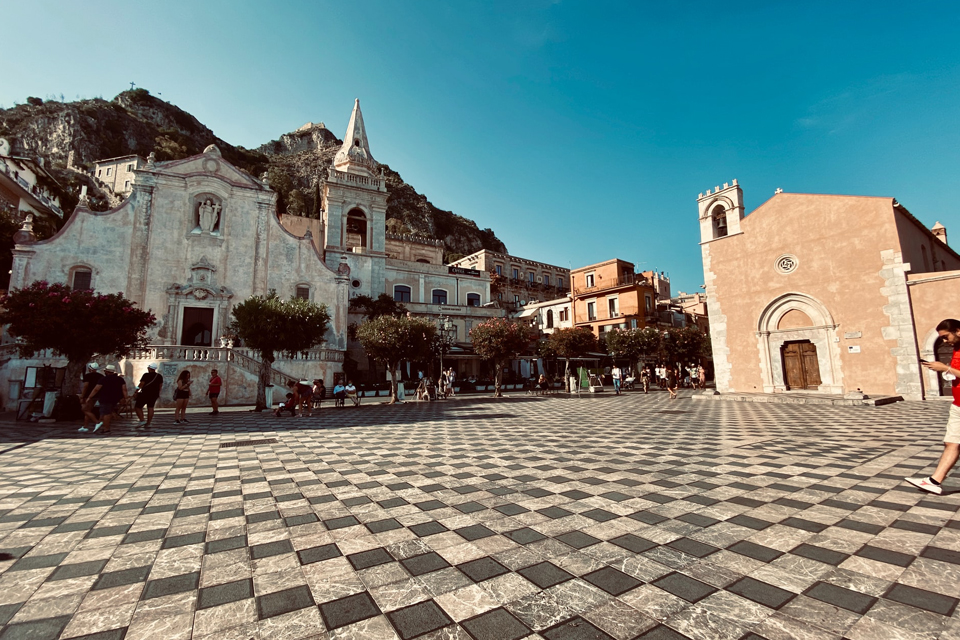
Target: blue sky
{"x":577,"y":131}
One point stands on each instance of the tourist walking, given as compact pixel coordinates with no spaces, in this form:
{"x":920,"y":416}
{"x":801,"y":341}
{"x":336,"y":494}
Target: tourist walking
{"x":616,"y":374}
{"x":213,"y":392}
{"x":949,"y":331}
{"x":88,"y":400}
{"x":672,"y":381}
{"x":451,"y":382}
{"x":148,"y":392}
{"x":645,"y":379}
{"x":181,"y":397}
{"x":110,"y":391}
{"x":702,"y":376}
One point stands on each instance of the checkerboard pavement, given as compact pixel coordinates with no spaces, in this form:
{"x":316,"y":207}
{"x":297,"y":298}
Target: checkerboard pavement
{"x":526,"y":517}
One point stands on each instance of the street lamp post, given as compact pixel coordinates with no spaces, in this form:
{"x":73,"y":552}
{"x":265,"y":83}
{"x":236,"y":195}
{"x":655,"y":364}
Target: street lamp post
{"x":445,"y":330}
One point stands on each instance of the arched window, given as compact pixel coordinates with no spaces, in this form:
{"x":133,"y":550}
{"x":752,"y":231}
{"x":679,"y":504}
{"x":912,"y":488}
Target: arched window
{"x":439,"y":296}
{"x":423,"y":260}
{"x":549,"y":318}
{"x":719,"y":221}
{"x":473,"y":299}
{"x":82,"y":279}
{"x":356,"y":229}
{"x":401,"y":293}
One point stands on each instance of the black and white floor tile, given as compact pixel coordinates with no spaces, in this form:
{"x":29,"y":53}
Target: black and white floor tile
{"x":525,"y":517}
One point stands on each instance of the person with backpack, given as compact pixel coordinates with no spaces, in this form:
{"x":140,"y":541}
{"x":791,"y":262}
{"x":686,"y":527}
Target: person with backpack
{"x":147,"y":394}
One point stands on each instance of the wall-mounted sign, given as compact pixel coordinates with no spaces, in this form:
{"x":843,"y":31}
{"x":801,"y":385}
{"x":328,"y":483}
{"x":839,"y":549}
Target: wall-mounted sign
{"x":854,"y":348}
{"x":853,"y":335}
{"x":460,"y":271}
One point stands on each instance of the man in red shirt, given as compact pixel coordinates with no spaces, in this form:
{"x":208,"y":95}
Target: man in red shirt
{"x":213,"y":391}
{"x":949,"y":330}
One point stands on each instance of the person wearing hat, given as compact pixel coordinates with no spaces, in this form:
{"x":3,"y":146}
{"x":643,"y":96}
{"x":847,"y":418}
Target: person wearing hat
{"x":110,"y":391}
{"x":88,"y":400}
{"x":148,"y":392}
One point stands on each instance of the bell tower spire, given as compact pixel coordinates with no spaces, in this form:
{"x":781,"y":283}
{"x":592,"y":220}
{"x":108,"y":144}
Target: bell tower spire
{"x":354,"y":156}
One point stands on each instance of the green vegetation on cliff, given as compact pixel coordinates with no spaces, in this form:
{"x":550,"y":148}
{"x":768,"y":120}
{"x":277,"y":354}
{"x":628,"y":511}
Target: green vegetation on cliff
{"x":136,"y":122}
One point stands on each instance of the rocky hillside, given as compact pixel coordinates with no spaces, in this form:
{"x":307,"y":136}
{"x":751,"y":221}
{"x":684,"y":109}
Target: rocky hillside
{"x":137,"y":123}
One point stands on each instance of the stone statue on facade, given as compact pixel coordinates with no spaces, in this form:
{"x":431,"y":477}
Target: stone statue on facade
{"x":208,"y":216}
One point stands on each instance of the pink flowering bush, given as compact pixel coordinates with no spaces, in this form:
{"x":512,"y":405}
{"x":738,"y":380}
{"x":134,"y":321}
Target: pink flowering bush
{"x":76,"y":324}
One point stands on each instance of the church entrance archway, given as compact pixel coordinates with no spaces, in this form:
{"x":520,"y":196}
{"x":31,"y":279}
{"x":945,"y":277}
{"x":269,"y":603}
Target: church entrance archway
{"x":801,"y":369}
{"x":797,"y":340}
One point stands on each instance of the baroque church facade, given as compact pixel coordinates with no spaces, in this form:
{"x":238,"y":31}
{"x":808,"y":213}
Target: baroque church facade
{"x":198,"y":235}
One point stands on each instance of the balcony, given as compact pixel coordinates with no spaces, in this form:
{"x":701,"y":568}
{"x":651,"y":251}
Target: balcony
{"x":625,"y":281}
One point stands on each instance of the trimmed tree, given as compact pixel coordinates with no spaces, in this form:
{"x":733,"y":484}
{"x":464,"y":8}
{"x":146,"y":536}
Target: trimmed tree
{"x":682,"y":346}
{"x":500,"y":340}
{"x":76,"y":324}
{"x":392,"y":339}
{"x":269,"y":326}
{"x":633,"y":344}
{"x":575,"y":342}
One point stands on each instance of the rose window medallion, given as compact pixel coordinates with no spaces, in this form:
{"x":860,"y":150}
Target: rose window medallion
{"x":787,"y":263}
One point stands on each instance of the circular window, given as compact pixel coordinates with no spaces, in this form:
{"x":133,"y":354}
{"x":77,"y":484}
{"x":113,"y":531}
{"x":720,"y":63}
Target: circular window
{"x":787,"y":263}
{"x":356,"y":284}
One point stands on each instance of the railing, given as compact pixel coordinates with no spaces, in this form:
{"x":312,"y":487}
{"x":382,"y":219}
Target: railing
{"x":343,"y":176}
{"x":619,"y":282}
{"x":241,"y":357}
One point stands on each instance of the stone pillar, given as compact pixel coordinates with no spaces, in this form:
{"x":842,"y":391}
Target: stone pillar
{"x":142,"y":200}
{"x":19,"y":271}
{"x":901,"y":329}
{"x":264,"y":209}
{"x":722,"y":366}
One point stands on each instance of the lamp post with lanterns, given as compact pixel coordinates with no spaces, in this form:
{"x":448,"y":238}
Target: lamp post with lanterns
{"x":446,"y":331}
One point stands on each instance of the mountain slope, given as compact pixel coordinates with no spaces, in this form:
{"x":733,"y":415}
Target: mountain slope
{"x":137,"y":123}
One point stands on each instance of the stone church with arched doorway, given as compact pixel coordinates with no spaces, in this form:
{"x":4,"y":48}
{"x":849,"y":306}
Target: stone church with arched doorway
{"x":825,"y":294}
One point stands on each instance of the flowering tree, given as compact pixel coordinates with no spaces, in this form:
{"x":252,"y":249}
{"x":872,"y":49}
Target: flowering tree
{"x":75,"y":324}
{"x":569,"y":343}
{"x":499,"y":340}
{"x":392,"y":339}
{"x":269,"y":325}
{"x":633,"y":344}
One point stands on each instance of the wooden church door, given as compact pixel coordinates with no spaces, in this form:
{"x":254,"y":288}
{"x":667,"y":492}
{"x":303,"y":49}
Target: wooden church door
{"x":800,"y":365}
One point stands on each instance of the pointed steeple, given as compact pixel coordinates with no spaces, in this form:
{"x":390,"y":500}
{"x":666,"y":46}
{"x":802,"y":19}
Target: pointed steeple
{"x":354,"y":156}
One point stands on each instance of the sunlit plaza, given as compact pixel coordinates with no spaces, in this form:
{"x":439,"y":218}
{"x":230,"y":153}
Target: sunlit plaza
{"x":492,"y":519}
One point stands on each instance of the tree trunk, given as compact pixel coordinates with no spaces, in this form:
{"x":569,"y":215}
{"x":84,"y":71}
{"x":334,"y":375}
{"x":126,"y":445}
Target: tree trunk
{"x":393,"y":382}
{"x":72,"y":378}
{"x":566,"y":376}
{"x":496,"y":380}
{"x":266,"y":373}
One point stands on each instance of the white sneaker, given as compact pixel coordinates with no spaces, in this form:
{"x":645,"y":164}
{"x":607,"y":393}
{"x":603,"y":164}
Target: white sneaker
{"x":83,"y":430}
{"x":97,"y":428}
{"x":142,"y":423}
{"x":925,"y":484}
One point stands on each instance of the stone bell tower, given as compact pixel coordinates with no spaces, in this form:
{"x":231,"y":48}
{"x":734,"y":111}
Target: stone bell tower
{"x":355,"y":210}
{"x":720,"y":211}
